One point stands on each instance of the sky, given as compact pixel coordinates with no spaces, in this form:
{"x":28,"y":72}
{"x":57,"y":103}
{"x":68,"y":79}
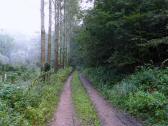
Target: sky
{"x":20,"y":16}
{"x":23,"y":16}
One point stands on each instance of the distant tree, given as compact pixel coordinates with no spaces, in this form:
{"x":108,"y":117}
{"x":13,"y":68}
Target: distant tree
{"x":71,"y":9}
{"x":43,"y":59}
{"x":49,"y":32}
{"x":65,"y":12}
{"x":6,"y":44}
{"x":57,"y":12}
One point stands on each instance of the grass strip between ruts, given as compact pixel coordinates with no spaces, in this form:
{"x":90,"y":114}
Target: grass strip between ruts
{"x":84,"y":108}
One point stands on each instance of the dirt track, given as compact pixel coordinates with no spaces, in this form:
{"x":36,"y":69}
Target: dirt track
{"x":108,"y":115}
{"x":65,"y":113}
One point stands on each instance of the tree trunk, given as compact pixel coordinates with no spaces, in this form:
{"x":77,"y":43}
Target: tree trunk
{"x":56,"y":34}
{"x":64,"y":34}
{"x":42,"y":35}
{"x":49,"y":32}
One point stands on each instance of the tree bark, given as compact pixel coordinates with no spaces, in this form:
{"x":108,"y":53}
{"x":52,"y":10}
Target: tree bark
{"x":49,"y":32}
{"x":56,"y":34}
{"x":42,"y":35}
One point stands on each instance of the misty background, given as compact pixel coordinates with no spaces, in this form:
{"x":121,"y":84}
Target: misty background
{"x":20,"y":31}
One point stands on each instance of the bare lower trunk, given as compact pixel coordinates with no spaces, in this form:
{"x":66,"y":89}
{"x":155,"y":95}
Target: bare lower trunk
{"x":56,"y":35}
{"x":42,"y":35}
{"x":49,"y":32}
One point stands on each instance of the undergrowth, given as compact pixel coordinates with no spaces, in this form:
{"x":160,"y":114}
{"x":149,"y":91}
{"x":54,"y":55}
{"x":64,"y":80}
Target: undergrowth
{"x":143,"y":94}
{"x":20,"y":106}
{"x":83,"y":105}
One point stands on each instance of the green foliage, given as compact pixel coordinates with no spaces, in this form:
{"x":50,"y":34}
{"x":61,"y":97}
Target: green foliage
{"x":19,"y":74}
{"x":47,"y":67}
{"x":155,"y":42}
{"x":31,"y":105}
{"x":83,"y":105}
{"x":142,"y":94}
{"x":119,"y":33}
{"x":6,"y":44}
{"x":148,"y":105}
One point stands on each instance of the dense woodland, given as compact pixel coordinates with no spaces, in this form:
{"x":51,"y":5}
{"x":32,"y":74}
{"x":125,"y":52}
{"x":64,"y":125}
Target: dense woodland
{"x":125,"y":45}
{"x":121,"y":46}
{"x":124,"y":34}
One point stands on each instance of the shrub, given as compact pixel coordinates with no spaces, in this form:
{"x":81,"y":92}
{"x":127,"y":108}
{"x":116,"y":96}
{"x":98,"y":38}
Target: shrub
{"x":146,"y":105}
{"x":143,"y":93}
{"x":33,"y":106}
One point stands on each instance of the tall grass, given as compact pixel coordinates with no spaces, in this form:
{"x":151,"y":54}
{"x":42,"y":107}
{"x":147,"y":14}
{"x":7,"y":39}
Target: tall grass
{"x":143,"y":94}
{"x":33,"y":106}
{"x":83,"y":106}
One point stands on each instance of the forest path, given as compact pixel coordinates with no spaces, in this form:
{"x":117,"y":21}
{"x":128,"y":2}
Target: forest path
{"x":65,"y":115}
{"x":108,"y":116}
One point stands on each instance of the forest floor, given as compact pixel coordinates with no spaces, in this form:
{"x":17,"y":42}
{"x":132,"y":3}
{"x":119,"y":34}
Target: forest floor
{"x":108,"y":115}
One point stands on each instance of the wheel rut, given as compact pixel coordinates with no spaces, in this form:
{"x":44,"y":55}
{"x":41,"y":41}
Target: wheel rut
{"x":65,"y":115}
{"x":108,"y":115}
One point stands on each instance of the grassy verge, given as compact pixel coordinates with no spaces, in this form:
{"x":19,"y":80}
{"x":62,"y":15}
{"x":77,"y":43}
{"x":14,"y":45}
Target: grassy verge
{"x":143,"y":94}
{"x":83,"y":106}
{"x":34,"y":106}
